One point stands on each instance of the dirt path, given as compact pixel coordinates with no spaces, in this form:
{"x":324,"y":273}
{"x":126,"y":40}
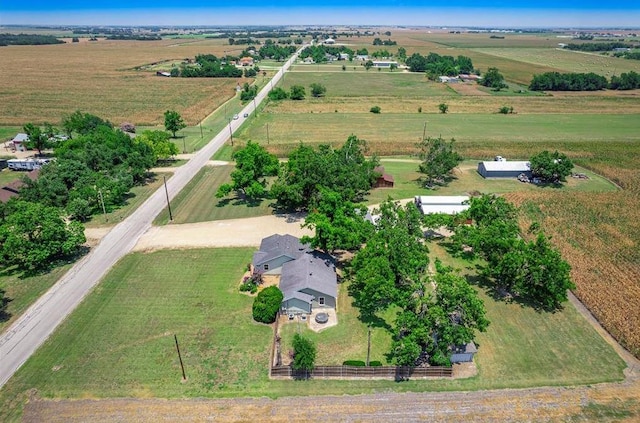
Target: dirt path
{"x":221,"y":233}
{"x":509,"y":405}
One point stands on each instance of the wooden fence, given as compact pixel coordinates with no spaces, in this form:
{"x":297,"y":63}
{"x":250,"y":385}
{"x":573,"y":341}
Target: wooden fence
{"x":348,"y":372}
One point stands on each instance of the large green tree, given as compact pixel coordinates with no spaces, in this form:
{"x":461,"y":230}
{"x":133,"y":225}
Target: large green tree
{"x":173,"y":122}
{"x":535,"y":271}
{"x":551,"y":167}
{"x":391,"y":267}
{"x":253,"y":163}
{"x":33,"y":236}
{"x":493,"y":79}
{"x":83,"y":123}
{"x":345,"y":170}
{"x":439,"y":158}
{"x":38,"y":139}
{"x":337,"y":224}
{"x":163,"y":148}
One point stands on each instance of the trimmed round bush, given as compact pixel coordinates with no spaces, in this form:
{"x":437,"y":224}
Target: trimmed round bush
{"x":267,"y":304}
{"x":357,"y":363}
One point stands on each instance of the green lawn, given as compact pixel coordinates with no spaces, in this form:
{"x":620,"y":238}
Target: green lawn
{"x":537,"y":348}
{"x":119,"y":341}
{"x":197,"y":202}
{"x":467,"y":180}
{"x":23,"y":291}
{"x":137,"y":196}
{"x":346,"y":341}
{"x":7,"y":176}
{"x":371,"y":84}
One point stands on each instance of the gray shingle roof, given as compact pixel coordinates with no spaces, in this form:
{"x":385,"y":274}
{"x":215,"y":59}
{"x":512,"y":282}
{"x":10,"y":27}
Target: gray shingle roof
{"x":278,"y":245}
{"x":310,"y":271}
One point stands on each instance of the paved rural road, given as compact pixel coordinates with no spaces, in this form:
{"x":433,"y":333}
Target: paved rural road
{"x":30,"y":331}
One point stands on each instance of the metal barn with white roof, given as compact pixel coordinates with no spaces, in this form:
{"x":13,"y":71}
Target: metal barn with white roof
{"x":504,"y":169}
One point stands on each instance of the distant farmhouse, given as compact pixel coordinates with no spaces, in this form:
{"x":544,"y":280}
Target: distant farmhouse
{"x":329,"y":41}
{"x":306,"y":277}
{"x":384,"y":63}
{"x":501,"y":168}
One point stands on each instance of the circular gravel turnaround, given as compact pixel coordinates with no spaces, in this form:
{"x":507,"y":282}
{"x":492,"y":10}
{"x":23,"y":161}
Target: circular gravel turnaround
{"x":322,"y":317}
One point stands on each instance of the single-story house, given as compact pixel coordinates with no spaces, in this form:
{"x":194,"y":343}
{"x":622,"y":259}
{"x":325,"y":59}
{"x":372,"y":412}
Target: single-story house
{"x":12,"y":189}
{"x":330,"y":57}
{"x":343,"y":56}
{"x":384,"y":63}
{"x":246,"y":61}
{"x":19,"y":142}
{"x":464,"y":353}
{"x":329,"y":41}
{"x":308,"y":60}
{"x":504,"y":169}
{"x":362,"y":57}
{"x":306,"y":277}
{"x":166,"y":74}
{"x":26,"y":164}
{"x":384,"y":180}
{"x":310,"y":282}
{"x":448,"y":204}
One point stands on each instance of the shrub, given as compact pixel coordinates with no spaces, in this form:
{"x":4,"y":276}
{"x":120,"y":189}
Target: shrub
{"x":267,"y":304}
{"x":128,"y":127}
{"x":375,"y":364}
{"x":357,"y":363}
{"x":420,"y":109}
{"x":375,"y":109}
{"x":505,"y":110}
{"x":304,"y":355}
{"x":443,"y":107}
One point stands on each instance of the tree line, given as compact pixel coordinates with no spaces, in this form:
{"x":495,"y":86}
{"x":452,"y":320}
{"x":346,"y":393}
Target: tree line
{"x":436,"y":65}
{"x":598,"y":46}
{"x":28,"y":39}
{"x":556,"y":81}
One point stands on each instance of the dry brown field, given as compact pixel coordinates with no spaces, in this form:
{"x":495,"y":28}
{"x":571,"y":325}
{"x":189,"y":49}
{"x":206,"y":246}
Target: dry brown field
{"x":44,"y":83}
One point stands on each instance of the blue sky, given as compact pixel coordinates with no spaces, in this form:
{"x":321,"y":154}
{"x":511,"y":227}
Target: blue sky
{"x":498,"y":13}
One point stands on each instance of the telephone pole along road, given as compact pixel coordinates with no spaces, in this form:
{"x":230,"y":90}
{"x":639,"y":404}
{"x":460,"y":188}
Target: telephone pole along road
{"x":30,"y":331}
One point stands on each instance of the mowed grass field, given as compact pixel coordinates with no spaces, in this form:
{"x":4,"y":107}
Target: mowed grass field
{"x":119,"y":342}
{"x":397,"y":133}
{"x":197,"y":202}
{"x":99,"y":78}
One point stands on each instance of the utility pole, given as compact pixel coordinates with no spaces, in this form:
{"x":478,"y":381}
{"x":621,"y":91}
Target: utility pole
{"x":424,"y":131}
{"x":104,"y":210}
{"x":184,"y":376}
{"x":267,"y":134}
{"x":201,"y":134}
{"x":184,"y":144}
{"x":369,"y":346}
{"x":255,"y":109}
{"x":230,"y":133}
{"x":166,"y":191}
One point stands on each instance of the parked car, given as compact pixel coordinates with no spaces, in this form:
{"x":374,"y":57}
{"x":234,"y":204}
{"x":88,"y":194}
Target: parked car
{"x":236,"y":117}
{"x":246,"y":115}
